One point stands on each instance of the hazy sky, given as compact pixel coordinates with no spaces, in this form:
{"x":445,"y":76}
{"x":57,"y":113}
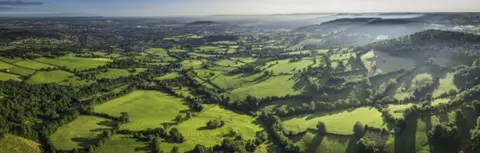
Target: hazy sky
{"x":213,"y":7}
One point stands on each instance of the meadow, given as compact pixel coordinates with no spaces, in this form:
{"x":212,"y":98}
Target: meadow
{"x":337,"y":122}
{"x":271,"y":86}
{"x":285,"y":66}
{"x":116,"y":73}
{"x":15,"y":144}
{"x":195,"y":132}
{"x":80,"y":133}
{"x":124,"y":144}
{"x":8,"y":76}
{"x":72,"y":62}
{"x":324,"y":144}
{"x":33,"y":65}
{"x":146,"y":109}
{"x":55,"y":76}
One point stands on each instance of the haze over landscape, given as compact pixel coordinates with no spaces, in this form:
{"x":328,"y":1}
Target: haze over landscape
{"x":239,"y":76}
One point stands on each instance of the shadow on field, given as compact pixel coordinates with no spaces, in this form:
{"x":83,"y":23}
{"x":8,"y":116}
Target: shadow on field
{"x":107,"y":123}
{"x":352,"y":144}
{"x":317,"y":140}
{"x":203,"y":128}
{"x":83,"y":142}
{"x":405,"y":140}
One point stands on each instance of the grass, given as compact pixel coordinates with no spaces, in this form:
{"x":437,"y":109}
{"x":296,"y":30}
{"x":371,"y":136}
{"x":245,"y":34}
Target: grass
{"x":21,"y":70}
{"x":177,"y":50}
{"x":55,"y":76}
{"x":8,"y":76}
{"x":15,"y":144}
{"x":224,"y":43}
{"x":338,"y":123}
{"x":380,"y":62}
{"x":168,"y":76}
{"x":158,"y":51}
{"x":422,"y":80}
{"x":245,"y":59}
{"x":80,"y":133}
{"x":4,"y":65}
{"x":272,"y":86}
{"x":146,"y":109}
{"x":117,"y":73}
{"x":195,"y":64}
{"x":73,"y":62}
{"x":298,"y":52}
{"x":124,"y":144}
{"x":327,"y":144}
{"x":32,"y":64}
{"x":11,"y":60}
{"x":285,"y":66}
{"x":446,"y":84}
{"x":195,"y":132}
{"x":234,"y":81}
{"x":211,"y":49}
{"x":196,"y":55}
{"x":397,"y":110}
{"x":226,"y":62}
{"x":440,"y":101}
{"x":306,"y":42}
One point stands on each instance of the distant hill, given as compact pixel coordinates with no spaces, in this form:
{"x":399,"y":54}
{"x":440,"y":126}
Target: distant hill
{"x":202,"y":23}
{"x":351,"y":22}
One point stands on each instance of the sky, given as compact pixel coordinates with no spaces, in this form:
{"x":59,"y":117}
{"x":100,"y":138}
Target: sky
{"x":223,"y":7}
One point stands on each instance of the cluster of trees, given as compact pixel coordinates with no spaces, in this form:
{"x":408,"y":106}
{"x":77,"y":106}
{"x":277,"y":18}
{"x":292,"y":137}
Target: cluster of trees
{"x":276,"y":131}
{"x":212,"y":124}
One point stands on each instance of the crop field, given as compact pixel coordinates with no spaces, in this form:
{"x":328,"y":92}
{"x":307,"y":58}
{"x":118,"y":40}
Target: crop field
{"x":8,"y":76}
{"x":124,"y":144}
{"x":146,"y":109}
{"x":33,"y":65}
{"x":340,"y":122}
{"x":73,"y":62}
{"x":195,"y":130}
{"x":116,"y":73}
{"x":80,"y":133}
{"x":16,"y":144}
{"x":272,"y":86}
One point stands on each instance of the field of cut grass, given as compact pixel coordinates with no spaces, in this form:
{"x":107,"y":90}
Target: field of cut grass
{"x":168,"y":76}
{"x":146,"y":109}
{"x":116,"y":73}
{"x":272,"y":86}
{"x":55,"y":76}
{"x":446,"y":84}
{"x":338,"y":122}
{"x":16,"y":144}
{"x":73,"y":62}
{"x":326,"y":144}
{"x":285,"y":66}
{"x":124,"y":144}
{"x":4,"y":65}
{"x":380,"y":62}
{"x":195,"y":132}
{"x":8,"y":76}
{"x":21,"y":70}
{"x":80,"y":133}
{"x":32,"y":64}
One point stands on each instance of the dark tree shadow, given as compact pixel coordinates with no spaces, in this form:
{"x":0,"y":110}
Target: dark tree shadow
{"x":315,"y":143}
{"x":203,"y":128}
{"x":83,"y":142}
{"x":405,"y":140}
{"x":352,"y":144}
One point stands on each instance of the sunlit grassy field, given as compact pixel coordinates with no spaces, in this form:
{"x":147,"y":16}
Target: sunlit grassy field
{"x":15,"y":144}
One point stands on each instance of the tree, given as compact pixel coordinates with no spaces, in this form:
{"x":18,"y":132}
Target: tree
{"x":475,"y":137}
{"x":322,"y":129}
{"x":178,"y":118}
{"x":201,"y":149}
{"x":476,"y":106}
{"x":124,"y":117}
{"x":175,"y":150}
{"x":367,"y":146}
{"x":476,"y":63}
{"x":358,"y":129}
{"x":459,"y":117}
{"x":443,"y":135}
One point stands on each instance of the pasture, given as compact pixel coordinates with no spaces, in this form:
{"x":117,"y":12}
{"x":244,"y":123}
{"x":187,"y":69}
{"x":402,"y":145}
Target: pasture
{"x":33,"y":64}
{"x":124,"y":144}
{"x":269,"y":86}
{"x":324,"y":144}
{"x":195,"y":132}
{"x":146,"y":109}
{"x":21,"y":70}
{"x":72,"y":62}
{"x":4,"y":65}
{"x":8,"y":76}
{"x":117,"y":73}
{"x":336,"y":122}
{"x":285,"y":66}
{"x":15,"y":144}
{"x":80,"y":133}
{"x":56,"y":76}
{"x":168,"y":76}
{"x":445,"y":84}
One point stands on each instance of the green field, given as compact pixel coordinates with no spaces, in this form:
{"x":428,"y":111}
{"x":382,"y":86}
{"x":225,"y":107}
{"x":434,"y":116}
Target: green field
{"x":285,"y":66}
{"x":116,"y":73}
{"x":195,"y":64}
{"x":306,"y":42}
{"x":4,"y":65}
{"x":336,"y":122}
{"x":195,"y":132}
{"x":234,"y":81}
{"x":211,"y":49}
{"x":32,"y":64}
{"x":16,"y":144}
{"x":146,"y":109}
{"x":124,"y":144}
{"x":326,"y":144}
{"x":73,"y":62}
{"x":55,"y":76}
{"x":271,"y":86}
{"x":446,"y":84}
{"x":80,"y":133}
{"x":168,"y":76}
{"x":8,"y":76}
{"x":397,"y":110}
{"x":226,"y":62}
{"x":21,"y":70}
